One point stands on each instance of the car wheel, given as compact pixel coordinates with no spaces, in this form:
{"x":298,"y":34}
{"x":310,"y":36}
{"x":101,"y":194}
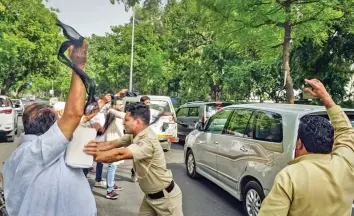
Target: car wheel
{"x":11,"y":138}
{"x":253,"y":197}
{"x":190,"y":165}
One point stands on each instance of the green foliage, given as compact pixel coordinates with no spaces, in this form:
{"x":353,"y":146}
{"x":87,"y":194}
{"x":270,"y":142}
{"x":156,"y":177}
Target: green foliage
{"x":29,"y":39}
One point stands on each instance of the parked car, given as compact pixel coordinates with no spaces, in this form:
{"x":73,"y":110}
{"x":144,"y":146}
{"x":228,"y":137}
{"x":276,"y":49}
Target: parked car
{"x":243,"y":147}
{"x":191,"y":113}
{"x":8,"y":118}
{"x":32,"y":98}
{"x":53,"y":101}
{"x":19,"y":107}
{"x":165,"y":128}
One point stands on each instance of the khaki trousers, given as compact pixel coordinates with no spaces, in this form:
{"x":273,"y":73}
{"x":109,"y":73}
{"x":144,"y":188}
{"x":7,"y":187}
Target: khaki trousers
{"x":170,"y":205}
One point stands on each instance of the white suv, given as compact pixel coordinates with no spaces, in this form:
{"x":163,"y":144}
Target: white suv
{"x":8,"y":118}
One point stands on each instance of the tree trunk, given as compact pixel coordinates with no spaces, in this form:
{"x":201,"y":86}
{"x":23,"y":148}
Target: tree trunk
{"x":8,"y":83}
{"x":286,"y":56}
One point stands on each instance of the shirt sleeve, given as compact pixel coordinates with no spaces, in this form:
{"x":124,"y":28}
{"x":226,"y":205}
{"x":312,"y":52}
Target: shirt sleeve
{"x":142,"y":149}
{"x":154,"y":113}
{"x":278,"y":200}
{"x":116,"y":113}
{"x":126,"y":140}
{"x":343,"y":145}
{"x":51,"y":144}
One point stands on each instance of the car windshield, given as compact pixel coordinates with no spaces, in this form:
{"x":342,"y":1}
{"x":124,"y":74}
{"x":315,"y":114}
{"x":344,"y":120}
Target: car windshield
{"x":211,"y":109}
{"x":3,"y":102}
{"x":17,"y":102}
{"x":160,"y":105}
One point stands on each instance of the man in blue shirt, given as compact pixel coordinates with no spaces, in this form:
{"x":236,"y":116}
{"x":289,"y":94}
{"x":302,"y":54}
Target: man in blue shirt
{"x":36,"y":178}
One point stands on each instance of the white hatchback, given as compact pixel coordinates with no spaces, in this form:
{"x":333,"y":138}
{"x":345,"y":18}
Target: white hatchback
{"x":165,"y":127}
{"x":8,"y":118}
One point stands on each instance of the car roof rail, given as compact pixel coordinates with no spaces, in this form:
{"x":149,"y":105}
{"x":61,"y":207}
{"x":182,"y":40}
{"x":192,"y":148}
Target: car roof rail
{"x":196,"y":102}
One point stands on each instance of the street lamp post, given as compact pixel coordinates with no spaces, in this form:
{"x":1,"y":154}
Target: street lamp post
{"x":132,"y":54}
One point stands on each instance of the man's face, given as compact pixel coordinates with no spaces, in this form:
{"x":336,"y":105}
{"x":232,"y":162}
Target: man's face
{"x":147,"y":102}
{"x":130,"y":123}
{"x":118,"y":106}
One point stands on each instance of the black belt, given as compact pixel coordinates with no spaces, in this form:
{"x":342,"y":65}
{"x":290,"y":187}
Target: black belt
{"x":160,"y":194}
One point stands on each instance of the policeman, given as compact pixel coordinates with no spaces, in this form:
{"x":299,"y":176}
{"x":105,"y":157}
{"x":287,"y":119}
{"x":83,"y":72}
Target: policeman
{"x":162,"y":194}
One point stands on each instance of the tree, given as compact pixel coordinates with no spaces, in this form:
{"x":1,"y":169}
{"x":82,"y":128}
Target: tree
{"x":29,"y":39}
{"x":270,"y":24}
{"x":332,"y":63}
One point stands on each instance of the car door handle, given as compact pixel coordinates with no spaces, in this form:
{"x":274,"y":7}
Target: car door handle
{"x":200,"y":142}
{"x":216,"y":142}
{"x":244,"y":149}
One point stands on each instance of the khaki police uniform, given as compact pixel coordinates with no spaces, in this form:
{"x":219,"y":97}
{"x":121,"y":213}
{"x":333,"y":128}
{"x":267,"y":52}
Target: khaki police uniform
{"x":317,"y":184}
{"x":162,"y":194}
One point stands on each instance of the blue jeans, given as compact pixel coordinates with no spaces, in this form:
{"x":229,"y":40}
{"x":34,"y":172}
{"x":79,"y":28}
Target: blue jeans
{"x":111,"y":171}
{"x":99,"y":169}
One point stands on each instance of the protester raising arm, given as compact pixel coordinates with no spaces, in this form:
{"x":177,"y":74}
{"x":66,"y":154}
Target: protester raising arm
{"x":101,"y":103}
{"x":75,"y":103}
{"x":343,"y":144}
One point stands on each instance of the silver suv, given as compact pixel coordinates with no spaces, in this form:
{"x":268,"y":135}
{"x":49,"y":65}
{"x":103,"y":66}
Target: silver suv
{"x":193,"y":112}
{"x":243,"y":147}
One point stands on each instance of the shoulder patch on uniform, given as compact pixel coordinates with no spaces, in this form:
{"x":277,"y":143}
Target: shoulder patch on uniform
{"x":140,"y":143}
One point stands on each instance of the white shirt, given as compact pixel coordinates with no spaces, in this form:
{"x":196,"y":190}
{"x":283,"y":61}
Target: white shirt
{"x":153,"y":115}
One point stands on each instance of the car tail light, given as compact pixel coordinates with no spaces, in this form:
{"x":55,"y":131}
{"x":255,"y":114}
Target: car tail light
{"x":204,"y":119}
{"x":7,"y":111}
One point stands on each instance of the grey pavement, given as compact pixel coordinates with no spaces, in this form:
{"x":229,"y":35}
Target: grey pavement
{"x":200,"y":197}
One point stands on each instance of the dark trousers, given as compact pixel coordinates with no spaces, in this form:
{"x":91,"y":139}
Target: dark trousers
{"x":99,"y":170}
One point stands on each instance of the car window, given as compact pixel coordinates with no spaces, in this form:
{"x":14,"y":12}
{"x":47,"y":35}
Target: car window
{"x":217,"y":122}
{"x":4,"y":102}
{"x":193,"y":112}
{"x":182,"y":112}
{"x":211,"y":109}
{"x":16,"y":102}
{"x":160,"y":105}
{"x":350,"y":116}
{"x":238,"y":123}
{"x":268,"y":127}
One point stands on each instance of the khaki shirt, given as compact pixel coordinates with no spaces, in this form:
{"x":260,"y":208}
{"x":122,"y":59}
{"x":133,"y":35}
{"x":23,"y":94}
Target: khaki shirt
{"x":317,"y":184}
{"x":149,"y":161}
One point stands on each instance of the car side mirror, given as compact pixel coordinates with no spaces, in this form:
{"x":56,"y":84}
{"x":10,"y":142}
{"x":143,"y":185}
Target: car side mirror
{"x":199,"y":126}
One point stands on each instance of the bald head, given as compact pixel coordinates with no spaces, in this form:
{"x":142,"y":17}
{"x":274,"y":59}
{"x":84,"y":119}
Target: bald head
{"x":38,"y":118}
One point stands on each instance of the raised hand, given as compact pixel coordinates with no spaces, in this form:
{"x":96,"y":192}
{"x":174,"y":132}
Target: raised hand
{"x":78,"y":55}
{"x":319,"y":91}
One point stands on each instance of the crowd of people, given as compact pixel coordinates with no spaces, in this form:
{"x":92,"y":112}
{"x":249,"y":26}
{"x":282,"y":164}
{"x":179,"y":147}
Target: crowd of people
{"x":38,"y":181}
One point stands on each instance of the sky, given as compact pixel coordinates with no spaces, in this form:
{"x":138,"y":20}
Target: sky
{"x":90,"y":16}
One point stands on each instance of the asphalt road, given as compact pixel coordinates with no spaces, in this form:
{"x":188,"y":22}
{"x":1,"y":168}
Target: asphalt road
{"x":200,"y":197}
